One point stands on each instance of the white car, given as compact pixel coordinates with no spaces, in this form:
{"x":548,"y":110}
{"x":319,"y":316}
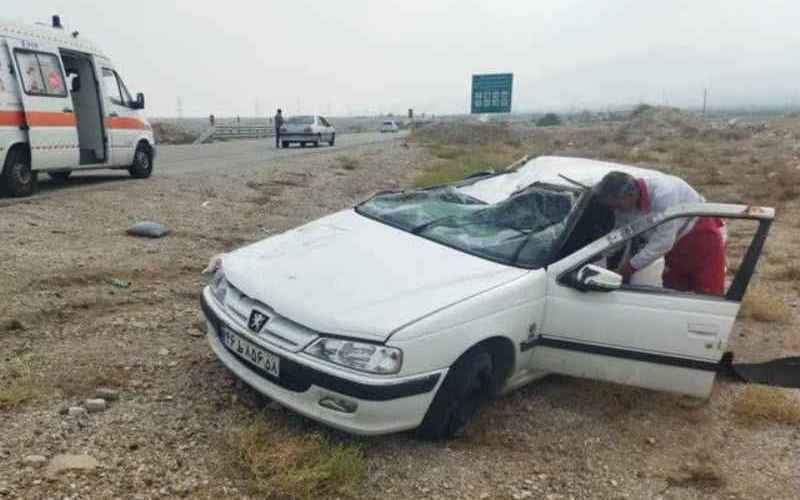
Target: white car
{"x":389,"y":126}
{"x":307,"y":129}
{"x":414,"y":307}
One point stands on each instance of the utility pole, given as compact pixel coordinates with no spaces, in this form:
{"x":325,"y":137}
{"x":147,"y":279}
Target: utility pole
{"x":705,"y":99}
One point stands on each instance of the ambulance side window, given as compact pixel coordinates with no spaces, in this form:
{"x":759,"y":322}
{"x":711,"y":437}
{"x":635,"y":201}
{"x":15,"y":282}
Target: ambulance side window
{"x":41,"y":74}
{"x":112,"y":86}
{"x":115,"y":89}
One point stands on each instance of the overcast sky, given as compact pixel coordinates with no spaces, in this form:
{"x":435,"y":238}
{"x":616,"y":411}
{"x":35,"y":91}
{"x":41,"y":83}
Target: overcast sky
{"x":357,"y":56}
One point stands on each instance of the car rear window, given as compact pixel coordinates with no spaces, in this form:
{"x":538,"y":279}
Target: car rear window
{"x":300,"y":120}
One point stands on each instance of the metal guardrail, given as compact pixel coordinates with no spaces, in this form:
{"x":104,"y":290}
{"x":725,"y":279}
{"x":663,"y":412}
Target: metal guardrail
{"x":235,"y":132}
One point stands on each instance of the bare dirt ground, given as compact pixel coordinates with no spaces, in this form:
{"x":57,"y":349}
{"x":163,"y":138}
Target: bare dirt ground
{"x":84,"y":306}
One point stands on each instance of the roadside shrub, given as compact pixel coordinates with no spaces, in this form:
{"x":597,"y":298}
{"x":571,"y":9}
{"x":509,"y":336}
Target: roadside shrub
{"x":549,"y":120}
{"x":760,"y":305}
{"x":18,"y":384}
{"x":766,"y":404}
{"x":347,"y":162}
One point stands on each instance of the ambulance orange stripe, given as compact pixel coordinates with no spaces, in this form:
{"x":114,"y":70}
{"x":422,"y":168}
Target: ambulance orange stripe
{"x":124,"y":122}
{"x":37,"y":119}
{"x":12,"y":118}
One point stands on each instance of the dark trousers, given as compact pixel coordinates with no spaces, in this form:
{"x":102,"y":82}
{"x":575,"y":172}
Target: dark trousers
{"x":277,"y":138}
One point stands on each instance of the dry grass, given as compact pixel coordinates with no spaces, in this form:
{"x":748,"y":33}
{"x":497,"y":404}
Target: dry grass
{"x":18,"y":384}
{"x":83,"y":379}
{"x":347,"y":162}
{"x":280,"y":463}
{"x":787,"y":271}
{"x":767,"y":404}
{"x":760,"y":305}
{"x":701,"y":473}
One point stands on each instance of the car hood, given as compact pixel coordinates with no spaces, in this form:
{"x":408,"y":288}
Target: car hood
{"x":349,"y":275}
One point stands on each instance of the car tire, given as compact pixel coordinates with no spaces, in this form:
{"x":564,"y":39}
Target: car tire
{"x":303,"y":144}
{"x":318,"y":141}
{"x":465,"y":389}
{"x":17,"y":178}
{"x":285,"y":144}
{"x":60,"y":176}
{"x":142,"y":166}
{"x":333,"y":139}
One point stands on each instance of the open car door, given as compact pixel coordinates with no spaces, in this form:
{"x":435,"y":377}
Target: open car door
{"x":599,"y":328}
{"x":49,"y":115}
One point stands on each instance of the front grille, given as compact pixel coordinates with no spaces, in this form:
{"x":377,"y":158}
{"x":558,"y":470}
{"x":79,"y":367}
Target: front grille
{"x":279,"y":330}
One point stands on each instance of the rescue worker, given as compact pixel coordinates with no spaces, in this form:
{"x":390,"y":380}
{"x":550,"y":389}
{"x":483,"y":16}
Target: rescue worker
{"x":693,"y":248}
{"x":278,"y":124}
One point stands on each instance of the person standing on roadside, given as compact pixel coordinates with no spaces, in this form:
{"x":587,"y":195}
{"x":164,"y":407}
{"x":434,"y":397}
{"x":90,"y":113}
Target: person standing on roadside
{"x":278,"y":124}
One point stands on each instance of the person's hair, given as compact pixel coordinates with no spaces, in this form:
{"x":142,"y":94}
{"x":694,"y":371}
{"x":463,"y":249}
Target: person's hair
{"x":615,"y":185}
{"x":279,"y":110}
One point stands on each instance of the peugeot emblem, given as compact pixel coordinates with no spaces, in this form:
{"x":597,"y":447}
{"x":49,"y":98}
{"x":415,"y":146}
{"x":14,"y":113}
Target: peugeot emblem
{"x":257,"y":321}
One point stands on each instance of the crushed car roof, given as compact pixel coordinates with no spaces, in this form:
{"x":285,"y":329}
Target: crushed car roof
{"x":549,"y":169}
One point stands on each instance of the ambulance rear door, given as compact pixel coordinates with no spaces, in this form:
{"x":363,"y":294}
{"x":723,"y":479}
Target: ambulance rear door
{"x":49,"y":117}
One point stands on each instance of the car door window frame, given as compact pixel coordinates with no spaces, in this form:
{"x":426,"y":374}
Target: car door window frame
{"x":43,"y":81}
{"x":738,"y":286}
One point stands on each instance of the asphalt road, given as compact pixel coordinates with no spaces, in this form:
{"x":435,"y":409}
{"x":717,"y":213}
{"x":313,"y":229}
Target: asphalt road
{"x":205,"y":159}
{"x":247,"y":154}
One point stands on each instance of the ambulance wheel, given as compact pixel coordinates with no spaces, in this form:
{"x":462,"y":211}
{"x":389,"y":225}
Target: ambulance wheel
{"x":17,"y":178}
{"x":333,"y":139}
{"x":465,"y":389}
{"x":60,"y":176}
{"x":142,"y":166}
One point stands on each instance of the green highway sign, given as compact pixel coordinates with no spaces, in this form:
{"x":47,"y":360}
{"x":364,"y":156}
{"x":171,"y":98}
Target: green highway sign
{"x":492,"y":93}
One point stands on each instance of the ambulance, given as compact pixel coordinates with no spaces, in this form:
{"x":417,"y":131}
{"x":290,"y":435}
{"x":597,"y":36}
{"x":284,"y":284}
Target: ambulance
{"x":64,"y":107}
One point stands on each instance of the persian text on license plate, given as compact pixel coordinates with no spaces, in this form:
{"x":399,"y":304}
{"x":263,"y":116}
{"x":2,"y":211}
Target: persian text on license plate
{"x":251,"y":353}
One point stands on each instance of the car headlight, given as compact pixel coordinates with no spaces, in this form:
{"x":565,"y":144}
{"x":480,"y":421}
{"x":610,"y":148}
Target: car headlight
{"x":371,"y":358}
{"x":218,"y":285}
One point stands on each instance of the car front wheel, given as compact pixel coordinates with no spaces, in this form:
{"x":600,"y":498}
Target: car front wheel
{"x":333,"y":139}
{"x":465,"y":389}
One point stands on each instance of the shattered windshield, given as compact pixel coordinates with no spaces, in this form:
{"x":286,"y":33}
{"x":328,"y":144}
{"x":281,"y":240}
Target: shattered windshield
{"x":520,"y":230}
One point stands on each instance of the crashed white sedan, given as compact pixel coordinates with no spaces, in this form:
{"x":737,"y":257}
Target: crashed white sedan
{"x":414,"y":307}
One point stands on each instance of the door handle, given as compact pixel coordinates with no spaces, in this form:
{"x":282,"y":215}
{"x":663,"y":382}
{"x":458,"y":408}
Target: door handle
{"x":113,"y":115}
{"x":704,"y":329}
{"x":67,"y":110}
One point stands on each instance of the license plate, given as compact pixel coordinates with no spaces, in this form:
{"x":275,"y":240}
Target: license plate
{"x":251,"y":353}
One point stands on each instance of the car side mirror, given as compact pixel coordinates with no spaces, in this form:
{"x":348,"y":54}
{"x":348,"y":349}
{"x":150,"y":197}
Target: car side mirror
{"x":594,"y":278}
{"x":139,"y":102}
{"x":76,"y":84}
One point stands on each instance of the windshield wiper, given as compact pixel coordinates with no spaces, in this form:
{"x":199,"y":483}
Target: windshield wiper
{"x":574,"y":182}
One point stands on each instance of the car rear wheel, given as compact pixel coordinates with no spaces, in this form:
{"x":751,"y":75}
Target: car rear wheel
{"x":333,"y":139}
{"x":60,"y":176}
{"x":142,"y":166}
{"x":465,"y":389}
{"x":18,"y":179}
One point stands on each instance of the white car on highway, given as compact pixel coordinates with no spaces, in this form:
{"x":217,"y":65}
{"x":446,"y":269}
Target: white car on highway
{"x":413,"y":308}
{"x":307,"y":129}
{"x":389,"y":126}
